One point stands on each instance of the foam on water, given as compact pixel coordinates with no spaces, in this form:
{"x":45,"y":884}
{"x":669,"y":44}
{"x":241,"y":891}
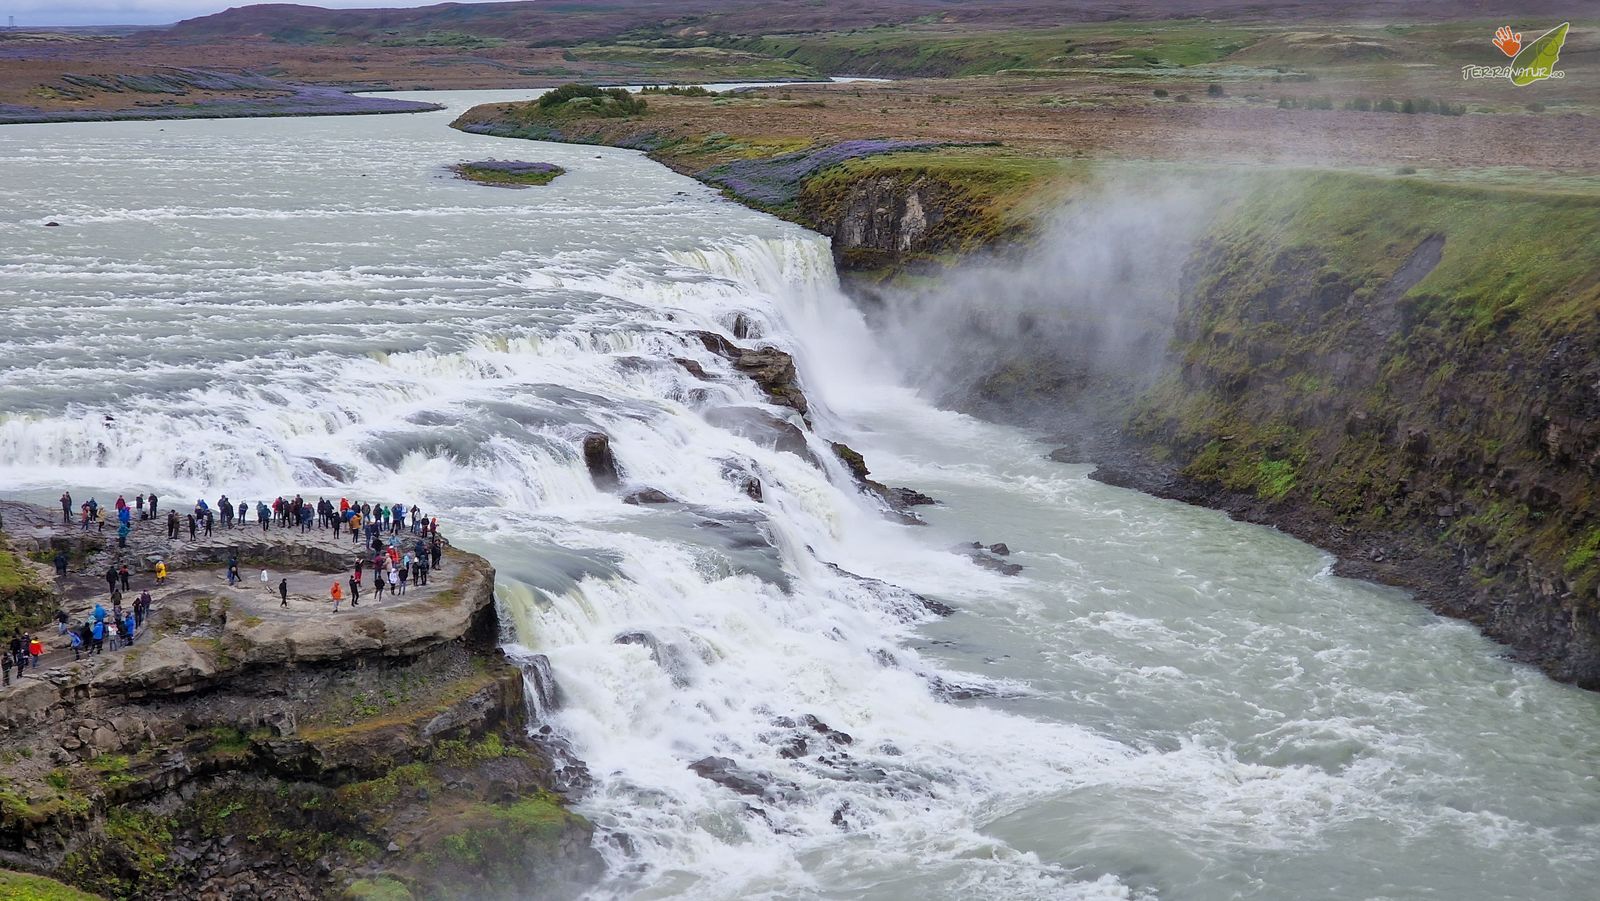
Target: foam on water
{"x":1173,"y":705}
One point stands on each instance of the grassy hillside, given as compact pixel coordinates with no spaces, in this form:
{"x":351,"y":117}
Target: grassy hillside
{"x":944,"y":51}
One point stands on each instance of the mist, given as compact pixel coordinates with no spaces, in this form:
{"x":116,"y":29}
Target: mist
{"x":1075,"y":324}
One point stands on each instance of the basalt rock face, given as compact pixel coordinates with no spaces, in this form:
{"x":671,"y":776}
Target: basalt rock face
{"x":233,"y":756}
{"x":1360,"y":401}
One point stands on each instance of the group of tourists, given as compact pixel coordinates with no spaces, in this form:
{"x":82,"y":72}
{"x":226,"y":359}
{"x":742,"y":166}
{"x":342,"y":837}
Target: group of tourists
{"x":401,"y":549}
{"x":359,"y":518}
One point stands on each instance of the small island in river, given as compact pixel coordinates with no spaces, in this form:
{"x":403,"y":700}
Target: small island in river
{"x":508,"y":173}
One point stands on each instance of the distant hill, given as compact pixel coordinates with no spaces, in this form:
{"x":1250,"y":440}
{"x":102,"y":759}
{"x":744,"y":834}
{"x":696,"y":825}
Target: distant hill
{"x":559,"y":22}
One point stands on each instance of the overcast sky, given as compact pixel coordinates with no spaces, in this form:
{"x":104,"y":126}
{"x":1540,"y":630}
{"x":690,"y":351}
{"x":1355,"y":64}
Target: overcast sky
{"x":141,"y":12}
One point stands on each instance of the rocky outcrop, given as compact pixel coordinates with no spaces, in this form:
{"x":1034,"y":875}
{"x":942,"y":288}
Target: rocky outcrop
{"x":770,"y":368}
{"x":234,"y":752}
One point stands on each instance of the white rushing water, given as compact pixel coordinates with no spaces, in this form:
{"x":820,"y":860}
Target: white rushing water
{"x":1173,"y":705}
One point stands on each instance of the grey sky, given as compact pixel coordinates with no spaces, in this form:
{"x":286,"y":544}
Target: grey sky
{"x":139,"y":12}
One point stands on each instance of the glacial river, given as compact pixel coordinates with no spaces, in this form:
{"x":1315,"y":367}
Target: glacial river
{"x":1171,"y":705}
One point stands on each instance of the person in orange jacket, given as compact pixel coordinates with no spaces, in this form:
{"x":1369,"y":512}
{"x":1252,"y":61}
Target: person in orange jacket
{"x":338,"y":594}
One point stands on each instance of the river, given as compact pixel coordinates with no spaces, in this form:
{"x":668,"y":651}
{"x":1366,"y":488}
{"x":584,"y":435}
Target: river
{"x":1169,"y":704}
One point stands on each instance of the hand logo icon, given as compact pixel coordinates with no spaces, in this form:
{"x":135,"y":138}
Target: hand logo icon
{"x":1508,"y":42}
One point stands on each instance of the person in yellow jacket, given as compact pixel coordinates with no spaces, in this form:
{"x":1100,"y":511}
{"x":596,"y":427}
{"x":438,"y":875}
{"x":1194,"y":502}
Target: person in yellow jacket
{"x":161,"y":572}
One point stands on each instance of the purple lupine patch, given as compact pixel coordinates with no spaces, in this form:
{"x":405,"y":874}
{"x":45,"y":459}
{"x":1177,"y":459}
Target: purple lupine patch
{"x":514,"y":167}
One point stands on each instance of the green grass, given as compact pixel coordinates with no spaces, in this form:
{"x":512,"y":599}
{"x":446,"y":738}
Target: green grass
{"x":28,"y":887}
{"x":442,"y":39}
{"x":936,"y":50}
{"x":378,"y":888}
{"x":673,"y":63}
{"x":486,"y":176}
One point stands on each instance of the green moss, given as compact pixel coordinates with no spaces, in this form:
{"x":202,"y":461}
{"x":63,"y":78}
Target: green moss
{"x":113,"y":770}
{"x":1583,"y":554}
{"x":25,"y":602}
{"x":1274,"y":478}
{"x":385,"y":790}
{"x":462,"y":752}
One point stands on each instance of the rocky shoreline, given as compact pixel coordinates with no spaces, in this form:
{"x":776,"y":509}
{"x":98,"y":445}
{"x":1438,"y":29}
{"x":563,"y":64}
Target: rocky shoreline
{"x":239,"y":748}
{"x":183,"y":93}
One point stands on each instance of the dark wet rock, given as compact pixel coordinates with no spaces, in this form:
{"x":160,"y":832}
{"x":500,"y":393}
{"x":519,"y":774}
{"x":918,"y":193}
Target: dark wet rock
{"x":897,"y":500}
{"x":602,"y":463}
{"x":855,"y":463}
{"x":774,"y":371}
{"x":909,"y":497}
{"x":647,"y":496}
{"x":52,"y":225}
{"x":841,"y":816}
{"x":1065,"y":455}
{"x":958,"y":691}
{"x":763,"y":428}
{"x":826,"y":731}
{"x":693,"y":368}
{"x":744,"y":328}
{"x":546,"y":693}
{"x":717,"y":344}
{"x":643,"y":639}
{"x":340,"y":474}
{"x":751,"y":486}
{"x":908,"y":604}
{"x":793,"y":748}
{"x":982,"y":556}
{"x":1001,"y":549}
{"x":730,"y":775}
{"x":670,"y":659}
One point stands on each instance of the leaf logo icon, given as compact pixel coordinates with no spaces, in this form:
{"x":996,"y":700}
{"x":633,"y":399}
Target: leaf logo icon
{"x":1537,"y":61}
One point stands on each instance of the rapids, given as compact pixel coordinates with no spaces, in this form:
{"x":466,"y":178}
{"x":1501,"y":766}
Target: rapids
{"x":1167,"y":704}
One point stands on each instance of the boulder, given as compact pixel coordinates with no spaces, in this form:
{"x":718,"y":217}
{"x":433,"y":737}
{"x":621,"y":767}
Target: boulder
{"x":763,"y":428}
{"x":908,"y":497}
{"x":602,"y":463}
{"x":774,"y":371}
{"x":647,"y":496}
{"x":729,"y":775}
{"x":692,"y":367}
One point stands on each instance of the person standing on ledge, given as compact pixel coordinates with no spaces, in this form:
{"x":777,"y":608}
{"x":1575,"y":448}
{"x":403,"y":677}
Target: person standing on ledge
{"x":66,"y":508}
{"x":283,"y":590}
{"x":338,"y":595}
{"x":152,"y":505}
